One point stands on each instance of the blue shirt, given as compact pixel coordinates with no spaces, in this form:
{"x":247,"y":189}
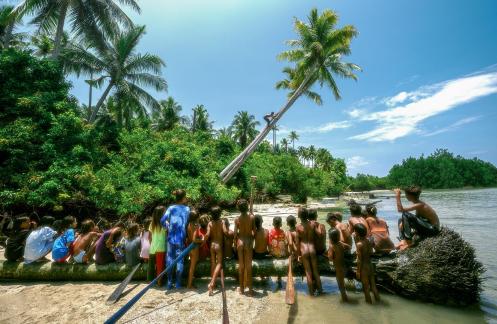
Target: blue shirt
{"x":175,"y":220}
{"x":60,"y":246}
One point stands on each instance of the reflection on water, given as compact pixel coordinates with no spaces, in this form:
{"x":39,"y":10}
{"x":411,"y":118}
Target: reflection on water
{"x":472,"y":213}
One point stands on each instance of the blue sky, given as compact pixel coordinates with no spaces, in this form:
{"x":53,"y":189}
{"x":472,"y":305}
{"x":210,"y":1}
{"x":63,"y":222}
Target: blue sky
{"x":429,"y":75}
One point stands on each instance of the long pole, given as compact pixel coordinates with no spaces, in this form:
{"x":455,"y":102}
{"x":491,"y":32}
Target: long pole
{"x":252,"y":182}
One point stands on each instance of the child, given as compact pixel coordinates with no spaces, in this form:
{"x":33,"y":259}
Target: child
{"x":320,"y":242}
{"x":132,"y":245}
{"x":378,"y":231}
{"x":261,"y":239}
{"x":145,"y":240}
{"x":157,"y":250}
{"x":425,"y":223}
{"x":215,"y":232}
{"x":85,"y":244}
{"x":193,"y":236}
{"x":228,"y":241}
{"x":306,"y":252}
{"x":365,"y":269}
{"x":40,"y":241}
{"x":278,"y":247}
{"x":104,"y":248}
{"x":17,"y":239}
{"x":335,"y":221}
{"x":291,"y":222}
{"x":175,"y":220}
{"x":62,"y":247}
{"x":244,"y":238}
{"x":336,"y":253}
{"x":356,"y":218}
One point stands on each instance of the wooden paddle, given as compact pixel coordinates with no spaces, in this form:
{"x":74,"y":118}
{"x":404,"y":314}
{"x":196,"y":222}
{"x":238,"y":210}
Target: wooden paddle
{"x":226,"y":318}
{"x":119,"y":290}
{"x":290,"y":286}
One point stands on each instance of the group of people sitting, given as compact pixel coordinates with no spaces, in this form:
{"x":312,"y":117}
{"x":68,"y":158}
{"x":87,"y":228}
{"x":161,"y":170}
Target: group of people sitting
{"x":165,"y":235}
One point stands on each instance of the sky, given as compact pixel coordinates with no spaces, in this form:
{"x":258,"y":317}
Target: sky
{"x":429,"y":76}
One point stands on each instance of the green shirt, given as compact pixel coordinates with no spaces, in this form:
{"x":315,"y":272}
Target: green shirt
{"x":159,"y":237}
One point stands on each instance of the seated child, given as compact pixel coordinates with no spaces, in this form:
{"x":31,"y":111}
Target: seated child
{"x":145,"y":240}
{"x":336,"y":253}
{"x":17,"y":239}
{"x":261,"y":239}
{"x":215,"y":234}
{"x":244,"y":238}
{"x":104,"y":248}
{"x":379,"y":232}
{"x":132,"y":245}
{"x":365,"y":269}
{"x":40,"y":241}
{"x":84,"y":245}
{"x":278,"y":246}
{"x":228,"y":252}
{"x":62,"y":246}
{"x":320,"y":243}
{"x":291,"y":222}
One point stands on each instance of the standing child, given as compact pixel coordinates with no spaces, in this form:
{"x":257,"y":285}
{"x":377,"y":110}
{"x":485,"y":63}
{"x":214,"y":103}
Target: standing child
{"x":228,"y":241}
{"x":336,"y":253}
{"x":132,"y":245}
{"x":215,"y":232}
{"x":356,"y":218}
{"x":145,"y":240}
{"x":86,"y":243}
{"x":261,"y":239}
{"x":40,"y":241}
{"x":278,"y":246}
{"x":320,"y":242}
{"x":306,"y":252}
{"x":62,"y":247}
{"x":175,"y":220}
{"x":157,"y":250}
{"x":17,"y":239}
{"x":244,"y":238}
{"x":193,"y":236}
{"x":365,"y":269}
{"x":291,"y":234}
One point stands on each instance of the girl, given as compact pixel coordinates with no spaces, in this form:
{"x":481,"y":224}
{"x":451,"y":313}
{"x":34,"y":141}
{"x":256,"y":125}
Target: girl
{"x":145,"y":240}
{"x":157,"y":250}
{"x":192,"y":228}
{"x":378,"y":230}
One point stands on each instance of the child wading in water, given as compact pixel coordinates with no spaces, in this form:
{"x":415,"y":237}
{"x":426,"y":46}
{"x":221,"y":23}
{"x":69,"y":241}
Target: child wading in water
{"x":244,"y":238}
{"x":306,"y":236}
{"x":336,"y":253}
{"x":215,"y":232}
{"x":261,"y":239}
{"x":365,"y":269}
{"x":62,"y":247}
{"x":86,"y":243}
{"x":157,"y":252}
{"x":175,"y":220}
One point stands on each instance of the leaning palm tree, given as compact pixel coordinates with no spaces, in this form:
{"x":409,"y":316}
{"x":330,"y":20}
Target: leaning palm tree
{"x":292,"y":83}
{"x":125,"y":70}
{"x":91,"y":18}
{"x":168,"y":116}
{"x":293,"y":136}
{"x":317,"y":55}
{"x":243,"y":128}
{"x":274,"y":129}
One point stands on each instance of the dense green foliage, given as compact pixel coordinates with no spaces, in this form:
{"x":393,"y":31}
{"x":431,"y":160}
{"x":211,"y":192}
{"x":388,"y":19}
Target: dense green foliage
{"x":366,"y":182}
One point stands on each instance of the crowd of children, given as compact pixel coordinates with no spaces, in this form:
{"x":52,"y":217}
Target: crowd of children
{"x":165,"y":235}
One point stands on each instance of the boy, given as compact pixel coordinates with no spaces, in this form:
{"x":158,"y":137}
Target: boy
{"x":291,"y":235}
{"x":365,"y":270}
{"x":17,"y":239}
{"x":356,"y":218}
{"x":84,"y":245}
{"x":261,"y":239}
{"x":215,"y":232}
{"x":320,"y":242}
{"x":277,"y":240}
{"x":191,"y":230}
{"x":62,"y":247}
{"x":425,"y":223}
{"x":132,"y":245}
{"x":306,"y":252}
{"x":335,"y":221}
{"x":336,"y":253}
{"x":40,"y":241}
{"x":244,"y":238}
{"x":228,"y":240}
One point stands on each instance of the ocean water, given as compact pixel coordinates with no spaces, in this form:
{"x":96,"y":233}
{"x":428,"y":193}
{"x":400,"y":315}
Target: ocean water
{"x":472,"y":213}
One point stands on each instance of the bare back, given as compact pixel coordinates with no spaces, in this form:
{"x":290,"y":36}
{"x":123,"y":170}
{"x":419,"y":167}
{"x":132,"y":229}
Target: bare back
{"x":353,"y":220}
{"x":244,"y":229}
{"x":261,"y":239}
{"x":426,"y":211}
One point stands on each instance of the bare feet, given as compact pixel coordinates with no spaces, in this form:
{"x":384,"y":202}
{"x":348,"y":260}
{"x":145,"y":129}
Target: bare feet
{"x":239,"y":290}
{"x":210,"y":290}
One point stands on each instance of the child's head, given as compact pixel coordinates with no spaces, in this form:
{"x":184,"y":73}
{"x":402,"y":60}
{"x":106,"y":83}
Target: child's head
{"x":333,"y":218}
{"x":193,"y":218}
{"x":361,"y":230}
{"x":371,"y":210}
{"x":364,"y":213}
{"x":258,"y":222}
{"x":146,"y":223}
{"x":47,"y":221}
{"x":132,"y":230}
{"x":180,"y":196}
{"x":87,"y":226}
{"x":355,"y":210}
{"x":303,"y":214}
{"x":242,"y":205}
{"x":34,"y":218}
{"x":70,"y":222}
{"x":277,"y":222}
{"x":412,"y":193}
{"x":291,"y":221}
{"x":216,"y":213}
{"x":313,"y":214}
{"x":156,"y":216}
{"x":334,"y":235}
{"x":58,"y":226}
{"x":204,"y":221}
{"x":21,"y":222}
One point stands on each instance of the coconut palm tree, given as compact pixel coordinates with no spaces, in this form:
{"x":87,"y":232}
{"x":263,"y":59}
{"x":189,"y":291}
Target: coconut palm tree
{"x":274,"y":129}
{"x":293,"y":136}
{"x":168,"y":116}
{"x":284,"y":143}
{"x":243,"y":128}
{"x":125,"y":70}
{"x":317,"y":55}
{"x":200,"y":120}
{"x":292,"y":83}
{"x":95,"y":19}
{"x":324,"y":160}
{"x":312,"y":155}
{"x":8,"y":23}
{"x":302,"y":153}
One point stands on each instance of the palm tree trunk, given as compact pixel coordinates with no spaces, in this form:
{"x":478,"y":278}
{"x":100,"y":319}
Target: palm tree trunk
{"x":231,"y":168}
{"x":274,"y":140}
{"x":100,"y":102}
{"x":91,"y":91}
{"x":60,"y":29}
{"x":8,"y":34}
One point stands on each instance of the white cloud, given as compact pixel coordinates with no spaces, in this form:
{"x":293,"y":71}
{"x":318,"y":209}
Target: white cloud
{"x":399,"y":98}
{"x":357,"y":113}
{"x":454,"y":126}
{"x":356,"y":162}
{"x":427,"y":102}
{"x":325,"y":128}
